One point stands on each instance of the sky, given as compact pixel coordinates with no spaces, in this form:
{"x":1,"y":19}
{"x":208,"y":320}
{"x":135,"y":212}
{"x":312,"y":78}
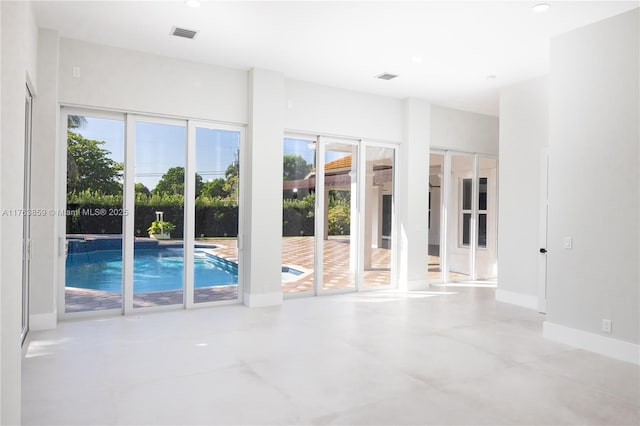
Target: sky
{"x":161,"y":146}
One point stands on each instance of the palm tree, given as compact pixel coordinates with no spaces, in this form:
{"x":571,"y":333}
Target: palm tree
{"x":73,"y":122}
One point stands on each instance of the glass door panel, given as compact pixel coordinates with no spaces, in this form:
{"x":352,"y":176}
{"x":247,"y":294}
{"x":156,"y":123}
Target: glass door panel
{"x":461,"y":222}
{"x":298,"y":215}
{"x":26,"y":220}
{"x":378,"y":216}
{"x":215,"y":262}
{"x":339,"y":215}
{"x":158,"y":264}
{"x":435,"y":222}
{"x":94,"y":213}
{"x":486,"y":250}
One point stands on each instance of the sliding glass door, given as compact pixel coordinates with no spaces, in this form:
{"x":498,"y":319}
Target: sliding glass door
{"x":216,"y":186}
{"x":298,"y":215}
{"x":152,"y":212}
{"x":158,"y":258}
{"x":26,"y":219}
{"x":338,"y":215}
{"x":337,"y":229}
{"x":379,"y":212}
{"x":437,"y":218}
{"x":95,"y":145}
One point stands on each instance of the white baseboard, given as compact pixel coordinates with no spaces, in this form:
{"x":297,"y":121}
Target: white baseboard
{"x":520,"y":299}
{"x":43,"y":321}
{"x":602,"y":345}
{"x":264,"y":299}
{"x":418,"y":285}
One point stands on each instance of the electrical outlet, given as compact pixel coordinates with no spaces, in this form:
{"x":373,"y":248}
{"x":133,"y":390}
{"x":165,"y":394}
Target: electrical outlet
{"x":606,"y":325}
{"x":76,"y":72}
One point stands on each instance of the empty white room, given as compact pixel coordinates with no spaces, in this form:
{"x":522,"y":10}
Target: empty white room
{"x":311,"y":212}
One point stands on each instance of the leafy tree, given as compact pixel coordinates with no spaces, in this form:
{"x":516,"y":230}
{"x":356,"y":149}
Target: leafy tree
{"x":172,"y":182}
{"x":294,"y":167}
{"x":337,"y":196}
{"x":141,"y":189}
{"x":90,"y":168}
{"x":214,"y":188}
{"x":339,"y":218}
{"x":231,"y":183}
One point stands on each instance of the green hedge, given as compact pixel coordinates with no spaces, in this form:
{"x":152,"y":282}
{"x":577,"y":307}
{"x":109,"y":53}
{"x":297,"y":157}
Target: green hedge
{"x":93,"y":213}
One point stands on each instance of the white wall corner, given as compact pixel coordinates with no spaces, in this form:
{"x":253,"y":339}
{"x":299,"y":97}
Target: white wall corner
{"x":519,"y":299}
{"x":607,"y":346}
{"x":262,"y":300}
{"x":46,"y":321}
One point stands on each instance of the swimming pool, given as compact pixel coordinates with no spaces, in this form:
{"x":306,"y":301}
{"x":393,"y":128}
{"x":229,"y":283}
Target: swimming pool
{"x":153,"y":270}
{"x":157,"y":269}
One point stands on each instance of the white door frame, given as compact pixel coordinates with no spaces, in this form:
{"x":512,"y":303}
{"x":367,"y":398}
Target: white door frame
{"x":542,"y":230}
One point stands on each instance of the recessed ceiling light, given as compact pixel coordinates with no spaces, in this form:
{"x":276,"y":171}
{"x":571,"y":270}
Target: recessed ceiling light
{"x":192,"y":3}
{"x":541,"y":7}
{"x":491,"y":77}
{"x":416,"y":59}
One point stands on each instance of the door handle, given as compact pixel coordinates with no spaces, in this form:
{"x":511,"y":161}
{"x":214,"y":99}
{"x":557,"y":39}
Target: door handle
{"x":543,"y":250}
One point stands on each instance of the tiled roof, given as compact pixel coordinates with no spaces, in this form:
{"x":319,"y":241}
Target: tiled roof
{"x":339,"y":163}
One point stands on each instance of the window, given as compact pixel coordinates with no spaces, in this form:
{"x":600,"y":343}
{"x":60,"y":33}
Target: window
{"x":466,"y":212}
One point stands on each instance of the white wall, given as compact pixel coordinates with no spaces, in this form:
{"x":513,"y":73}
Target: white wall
{"x":2,"y":320}
{"x":43,"y":185}
{"x":128,"y":80}
{"x":326,"y":110}
{"x":31,"y":41}
{"x":594,"y":182}
{"x":524,"y":133}
{"x":457,"y":130}
{"x":17,"y":67}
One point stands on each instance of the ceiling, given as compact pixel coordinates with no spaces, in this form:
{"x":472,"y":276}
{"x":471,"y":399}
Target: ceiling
{"x":345,"y":44}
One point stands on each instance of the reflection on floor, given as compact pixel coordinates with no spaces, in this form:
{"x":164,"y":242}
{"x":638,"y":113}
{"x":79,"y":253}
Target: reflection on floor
{"x":375,"y":358}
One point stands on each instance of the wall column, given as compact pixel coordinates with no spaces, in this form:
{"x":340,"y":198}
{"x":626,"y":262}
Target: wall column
{"x":413,"y":195}
{"x":43,"y":309}
{"x":261,"y":242}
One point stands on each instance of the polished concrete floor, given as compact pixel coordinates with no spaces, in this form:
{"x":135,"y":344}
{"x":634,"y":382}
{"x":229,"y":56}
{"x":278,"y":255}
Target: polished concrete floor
{"x":448,"y":356}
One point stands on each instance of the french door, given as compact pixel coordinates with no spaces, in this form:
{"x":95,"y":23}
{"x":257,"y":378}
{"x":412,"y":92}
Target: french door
{"x":151,"y":214}
{"x":462,"y":217}
{"x":338,"y":215}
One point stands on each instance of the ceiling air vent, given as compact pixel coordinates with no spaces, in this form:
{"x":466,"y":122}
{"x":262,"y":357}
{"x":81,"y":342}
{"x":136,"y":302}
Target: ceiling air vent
{"x":183,"y":32}
{"x":386,"y":76}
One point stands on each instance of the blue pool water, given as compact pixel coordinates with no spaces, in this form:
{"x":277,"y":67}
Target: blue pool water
{"x":153,"y":270}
